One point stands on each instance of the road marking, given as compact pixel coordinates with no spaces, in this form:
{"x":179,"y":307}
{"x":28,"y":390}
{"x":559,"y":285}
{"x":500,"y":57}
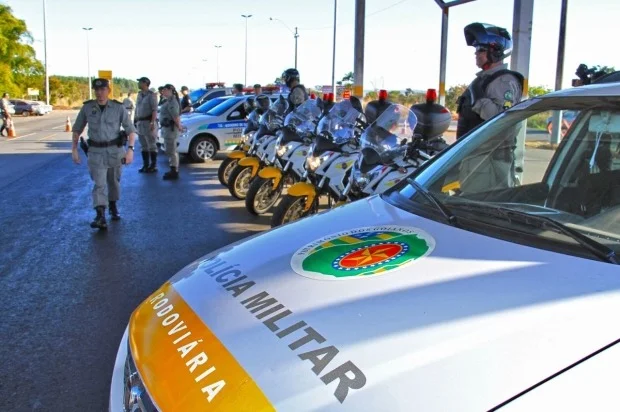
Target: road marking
{"x":53,"y":134}
{"x":18,"y":137}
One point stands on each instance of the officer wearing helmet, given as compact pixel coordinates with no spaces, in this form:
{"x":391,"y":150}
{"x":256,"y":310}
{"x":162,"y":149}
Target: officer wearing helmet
{"x":495,"y":88}
{"x":248,"y":105}
{"x":262,"y":103}
{"x":297,"y":92}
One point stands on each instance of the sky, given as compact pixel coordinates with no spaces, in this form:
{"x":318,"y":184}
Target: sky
{"x":169,"y":41}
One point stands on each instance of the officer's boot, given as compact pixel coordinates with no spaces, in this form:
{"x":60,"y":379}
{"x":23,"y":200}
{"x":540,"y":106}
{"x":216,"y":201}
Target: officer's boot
{"x":173,"y":174}
{"x":114,"y":211}
{"x":99,"y":222}
{"x":153,"y":167}
{"x":145,"y":162}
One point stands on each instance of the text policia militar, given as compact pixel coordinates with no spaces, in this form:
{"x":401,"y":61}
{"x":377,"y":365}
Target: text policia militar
{"x":273,"y":314}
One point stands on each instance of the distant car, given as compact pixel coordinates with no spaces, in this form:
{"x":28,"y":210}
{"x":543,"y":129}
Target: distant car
{"x":30,"y":107}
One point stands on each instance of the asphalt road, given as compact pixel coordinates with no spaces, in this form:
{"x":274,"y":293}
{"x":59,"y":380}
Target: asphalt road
{"x":67,"y":291}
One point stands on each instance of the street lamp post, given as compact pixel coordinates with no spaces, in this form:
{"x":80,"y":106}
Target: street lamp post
{"x":295,"y":35}
{"x":334,"y":49}
{"x":246,"y":17}
{"x":217,"y":62}
{"x":90,"y":89}
{"x":47,"y":77}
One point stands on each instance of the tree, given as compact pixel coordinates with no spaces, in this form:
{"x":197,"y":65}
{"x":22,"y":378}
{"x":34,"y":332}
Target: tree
{"x":453,"y":94}
{"x":347,"y":79}
{"x":535,"y":91}
{"x":19,"y":67}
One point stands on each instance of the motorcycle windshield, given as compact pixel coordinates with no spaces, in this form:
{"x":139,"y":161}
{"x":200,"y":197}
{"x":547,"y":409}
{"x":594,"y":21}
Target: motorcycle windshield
{"x":339,"y":123}
{"x":274,"y":117}
{"x":252,"y":124}
{"x":303,"y":117}
{"x":389,"y":135}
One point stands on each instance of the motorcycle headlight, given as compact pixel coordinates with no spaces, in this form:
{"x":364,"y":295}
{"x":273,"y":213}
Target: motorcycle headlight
{"x":282,"y":149}
{"x":313,"y":162}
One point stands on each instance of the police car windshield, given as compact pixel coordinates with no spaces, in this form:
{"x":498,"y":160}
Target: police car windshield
{"x":196,"y":94}
{"x":206,"y":106}
{"x":221,"y":108}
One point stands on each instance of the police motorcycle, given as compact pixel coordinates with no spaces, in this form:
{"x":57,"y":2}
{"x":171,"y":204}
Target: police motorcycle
{"x":395,"y":145}
{"x":264,"y":142}
{"x":287,"y":160}
{"x":330,"y":159}
{"x":255,"y":110}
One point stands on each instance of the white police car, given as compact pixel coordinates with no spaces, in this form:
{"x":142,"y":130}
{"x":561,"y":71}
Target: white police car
{"x":218,"y":129}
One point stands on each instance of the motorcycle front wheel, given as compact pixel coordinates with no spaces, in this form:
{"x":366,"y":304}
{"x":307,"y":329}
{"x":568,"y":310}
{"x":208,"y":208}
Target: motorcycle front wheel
{"x":261,"y":195}
{"x":239,"y":181}
{"x":290,"y":209}
{"x":225,"y":169}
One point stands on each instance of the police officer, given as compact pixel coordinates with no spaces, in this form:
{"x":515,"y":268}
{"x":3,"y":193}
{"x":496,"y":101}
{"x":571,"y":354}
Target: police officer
{"x":106,"y":151}
{"x":297,"y":92}
{"x":170,"y":125}
{"x":186,"y":101}
{"x":495,"y":88}
{"x":146,"y":122}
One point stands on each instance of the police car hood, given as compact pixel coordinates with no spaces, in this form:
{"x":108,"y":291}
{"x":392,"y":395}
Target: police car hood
{"x":368,"y":307}
{"x":197,"y":120}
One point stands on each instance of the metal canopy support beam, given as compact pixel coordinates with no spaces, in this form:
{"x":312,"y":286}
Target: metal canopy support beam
{"x":358,"y":57}
{"x":445,"y":6}
{"x":444,"y":55}
{"x":556,"y":129}
{"x":520,"y":61}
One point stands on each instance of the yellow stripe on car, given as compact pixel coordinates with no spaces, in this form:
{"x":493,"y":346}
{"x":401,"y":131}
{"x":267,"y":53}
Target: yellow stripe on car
{"x":183,"y":365}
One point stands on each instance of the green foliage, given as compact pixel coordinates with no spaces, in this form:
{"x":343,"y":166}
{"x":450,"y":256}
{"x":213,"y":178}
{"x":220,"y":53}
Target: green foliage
{"x":453,"y":94}
{"x":535,"y":91}
{"x":19,"y":67}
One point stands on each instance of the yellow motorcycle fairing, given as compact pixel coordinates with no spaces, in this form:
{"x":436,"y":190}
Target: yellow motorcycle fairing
{"x":271,"y":172}
{"x":252,"y":162}
{"x":304,"y":189}
{"x":237,"y":154}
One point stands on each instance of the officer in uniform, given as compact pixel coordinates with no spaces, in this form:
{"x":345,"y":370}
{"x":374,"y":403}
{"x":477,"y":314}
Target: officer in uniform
{"x":106,"y":151}
{"x":495,"y":88}
{"x":146,"y":122}
{"x":186,"y":102}
{"x":170,"y":125}
{"x":297,"y":92}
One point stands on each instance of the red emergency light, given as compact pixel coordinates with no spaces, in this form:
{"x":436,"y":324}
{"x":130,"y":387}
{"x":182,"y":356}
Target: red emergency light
{"x":313,"y":96}
{"x":383,"y":94}
{"x":431,"y":96}
{"x":330,"y":97}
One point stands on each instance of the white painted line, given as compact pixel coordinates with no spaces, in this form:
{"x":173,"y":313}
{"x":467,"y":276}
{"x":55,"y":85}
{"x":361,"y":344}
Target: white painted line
{"x":53,"y":134}
{"x":18,"y":137}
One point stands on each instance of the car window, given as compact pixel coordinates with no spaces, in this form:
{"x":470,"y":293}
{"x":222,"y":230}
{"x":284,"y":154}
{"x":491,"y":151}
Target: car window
{"x":240,"y":108}
{"x":576,"y":183}
{"x":217,"y":93}
{"x":208,"y":105}
{"x":195,"y":95}
{"x":224,"y":107}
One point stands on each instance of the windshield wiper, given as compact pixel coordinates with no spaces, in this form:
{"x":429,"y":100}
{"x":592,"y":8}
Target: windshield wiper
{"x":450,"y":217}
{"x":597,"y":249}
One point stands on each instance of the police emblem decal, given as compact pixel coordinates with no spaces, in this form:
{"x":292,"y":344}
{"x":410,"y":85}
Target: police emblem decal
{"x":363,"y":252}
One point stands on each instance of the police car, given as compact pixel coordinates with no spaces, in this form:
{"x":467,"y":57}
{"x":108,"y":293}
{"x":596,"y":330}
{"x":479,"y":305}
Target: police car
{"x":218,"y":129}
{"x":478,"y":284}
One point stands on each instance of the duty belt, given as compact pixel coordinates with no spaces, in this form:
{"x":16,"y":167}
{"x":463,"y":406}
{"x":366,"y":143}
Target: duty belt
{"x":139,"y":119}
{"x":115,"y":142}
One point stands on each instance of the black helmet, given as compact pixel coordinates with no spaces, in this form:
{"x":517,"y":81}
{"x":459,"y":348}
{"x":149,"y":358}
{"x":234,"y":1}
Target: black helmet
{"x":262,"y":103}
{"x":289,"y":75}
{"x":496,"y":39}
{"x":248,"y":105}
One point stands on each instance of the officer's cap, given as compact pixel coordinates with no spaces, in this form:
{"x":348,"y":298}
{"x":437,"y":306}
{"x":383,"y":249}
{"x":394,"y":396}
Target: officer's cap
{"x":100,"y":83}
{"x":168,"y":86}
{"x":184,"y":88}
{"x":144,"y":79}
